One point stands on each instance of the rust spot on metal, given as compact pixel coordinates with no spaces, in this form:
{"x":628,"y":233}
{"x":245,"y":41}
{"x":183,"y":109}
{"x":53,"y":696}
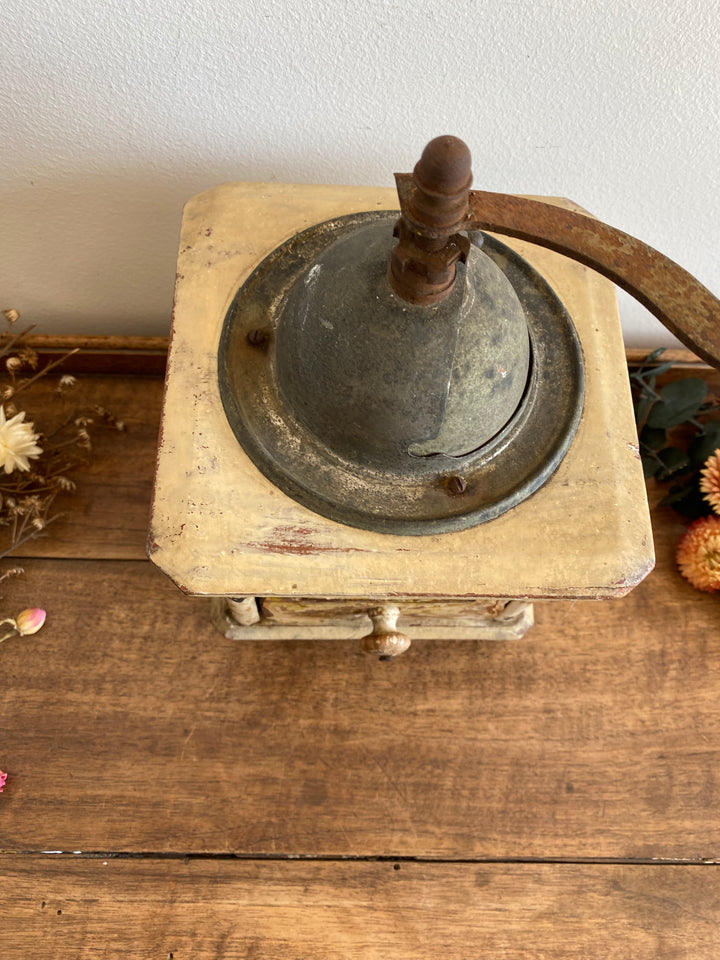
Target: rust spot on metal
{"x":258,"y":338}
{"x":456,"y":485}
{"x":433,"y":202}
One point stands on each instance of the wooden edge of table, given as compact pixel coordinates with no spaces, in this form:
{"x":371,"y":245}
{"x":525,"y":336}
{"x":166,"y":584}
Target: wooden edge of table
{"x":138,"y":346}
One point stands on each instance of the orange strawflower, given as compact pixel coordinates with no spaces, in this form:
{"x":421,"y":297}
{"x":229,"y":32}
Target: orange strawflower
{"x":710,"y":480}
{"x":698,"y":554}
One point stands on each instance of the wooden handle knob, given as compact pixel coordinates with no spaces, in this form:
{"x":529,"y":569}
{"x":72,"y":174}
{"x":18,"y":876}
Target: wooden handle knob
{"x":385,"y":640}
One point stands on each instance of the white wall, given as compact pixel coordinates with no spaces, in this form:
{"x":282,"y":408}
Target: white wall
{"x":115,"y":113}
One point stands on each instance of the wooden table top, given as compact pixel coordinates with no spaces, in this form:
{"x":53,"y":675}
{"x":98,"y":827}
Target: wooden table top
{"x":175,"y":794}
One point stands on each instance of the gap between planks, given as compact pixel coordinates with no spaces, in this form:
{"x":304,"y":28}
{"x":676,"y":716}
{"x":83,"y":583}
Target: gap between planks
{"x":76,"y":855}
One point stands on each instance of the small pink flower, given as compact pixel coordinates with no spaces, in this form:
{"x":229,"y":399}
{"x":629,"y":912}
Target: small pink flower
{"x":30,"y":621}
{"x":3,"y":778}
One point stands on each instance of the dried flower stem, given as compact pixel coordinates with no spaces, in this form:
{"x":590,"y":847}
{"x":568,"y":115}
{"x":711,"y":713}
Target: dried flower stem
{"x":30,"y":535}
{"x":12,"y":633}
{"x":41,"y":373}
{"x":6,"y":348}
{"x":38,"y":465}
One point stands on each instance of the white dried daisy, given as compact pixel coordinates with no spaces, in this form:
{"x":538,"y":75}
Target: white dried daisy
{"x":17,"y":442}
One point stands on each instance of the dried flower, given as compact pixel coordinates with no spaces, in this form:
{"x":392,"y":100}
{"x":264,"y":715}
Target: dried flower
{"x":29,"y":356}
{"x":30,"y":621}
{"x":698,"y":554}
{"x":3,"y":778}
{"x":33,"y":485}
{"x":64,"y":483}
{"x":25,"y":624}
{"x":17,"y":442}
{"x":710,"y":480}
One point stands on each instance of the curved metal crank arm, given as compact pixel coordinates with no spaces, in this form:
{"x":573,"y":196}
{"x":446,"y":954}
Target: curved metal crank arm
{"x":679,"y":301}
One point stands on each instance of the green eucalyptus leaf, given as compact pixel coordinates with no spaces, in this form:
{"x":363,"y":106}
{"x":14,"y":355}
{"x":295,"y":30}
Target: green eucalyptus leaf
{"x":680,"y":401}
{"x":650,"y":466}
{"x":641,"y":408}
{"x":661,"y":369}
{"x":652,"y":437}
{"x":676,"y":494}
{"x":673,"y":460}
{"x":651,"y":357}
{"x":704,"y":445}
{"x":687,"y":500}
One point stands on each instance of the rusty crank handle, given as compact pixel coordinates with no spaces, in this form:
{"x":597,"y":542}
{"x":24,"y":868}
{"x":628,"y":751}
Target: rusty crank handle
{"x":436,"y":203}
{"x":675,"y":297}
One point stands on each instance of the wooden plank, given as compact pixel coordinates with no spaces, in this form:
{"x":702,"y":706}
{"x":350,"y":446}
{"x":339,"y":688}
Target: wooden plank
{"x":131,"y":356}
{"x":681,"y":357}
{"x":129,"y":724}
{"x":409,"y":911}
{"x":96,"y":344}
{"x":107,"y":517}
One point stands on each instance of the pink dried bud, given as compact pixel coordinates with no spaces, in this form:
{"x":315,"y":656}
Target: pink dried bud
{"x":3,"y":778}
{"x":30,"y":621}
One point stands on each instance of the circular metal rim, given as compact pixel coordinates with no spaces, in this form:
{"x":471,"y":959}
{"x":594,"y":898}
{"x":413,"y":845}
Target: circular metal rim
{"x":497,"y":477}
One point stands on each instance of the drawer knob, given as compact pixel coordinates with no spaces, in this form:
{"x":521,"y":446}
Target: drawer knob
{"x":385,"y":641}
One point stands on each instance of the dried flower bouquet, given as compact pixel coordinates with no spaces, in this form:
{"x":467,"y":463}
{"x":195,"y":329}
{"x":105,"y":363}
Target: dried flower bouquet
{"x":37,"y":462}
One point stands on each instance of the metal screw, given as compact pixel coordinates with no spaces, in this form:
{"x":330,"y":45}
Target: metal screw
{"x":257,"y":338}
{"x":456,"y":484}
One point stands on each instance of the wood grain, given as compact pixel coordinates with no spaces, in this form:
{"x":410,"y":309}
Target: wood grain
{"x":130,"y":725}
{"x":107,"y":517}
{"x":138,"y":910}
{"x":284,"y":610}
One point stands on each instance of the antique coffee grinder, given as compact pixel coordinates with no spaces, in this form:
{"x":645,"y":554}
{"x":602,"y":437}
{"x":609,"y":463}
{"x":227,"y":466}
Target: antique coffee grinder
{"x":372,"y":415}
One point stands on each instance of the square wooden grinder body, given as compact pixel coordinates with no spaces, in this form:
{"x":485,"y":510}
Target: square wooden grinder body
{"x":220,"y":528}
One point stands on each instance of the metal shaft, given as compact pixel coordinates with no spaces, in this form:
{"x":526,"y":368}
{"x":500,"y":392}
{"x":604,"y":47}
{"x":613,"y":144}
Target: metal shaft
{"x":436,"y":203}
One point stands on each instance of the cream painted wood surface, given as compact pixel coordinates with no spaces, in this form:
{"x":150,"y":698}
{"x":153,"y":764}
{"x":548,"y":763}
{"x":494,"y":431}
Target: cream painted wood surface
{"x":220,"y":528}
